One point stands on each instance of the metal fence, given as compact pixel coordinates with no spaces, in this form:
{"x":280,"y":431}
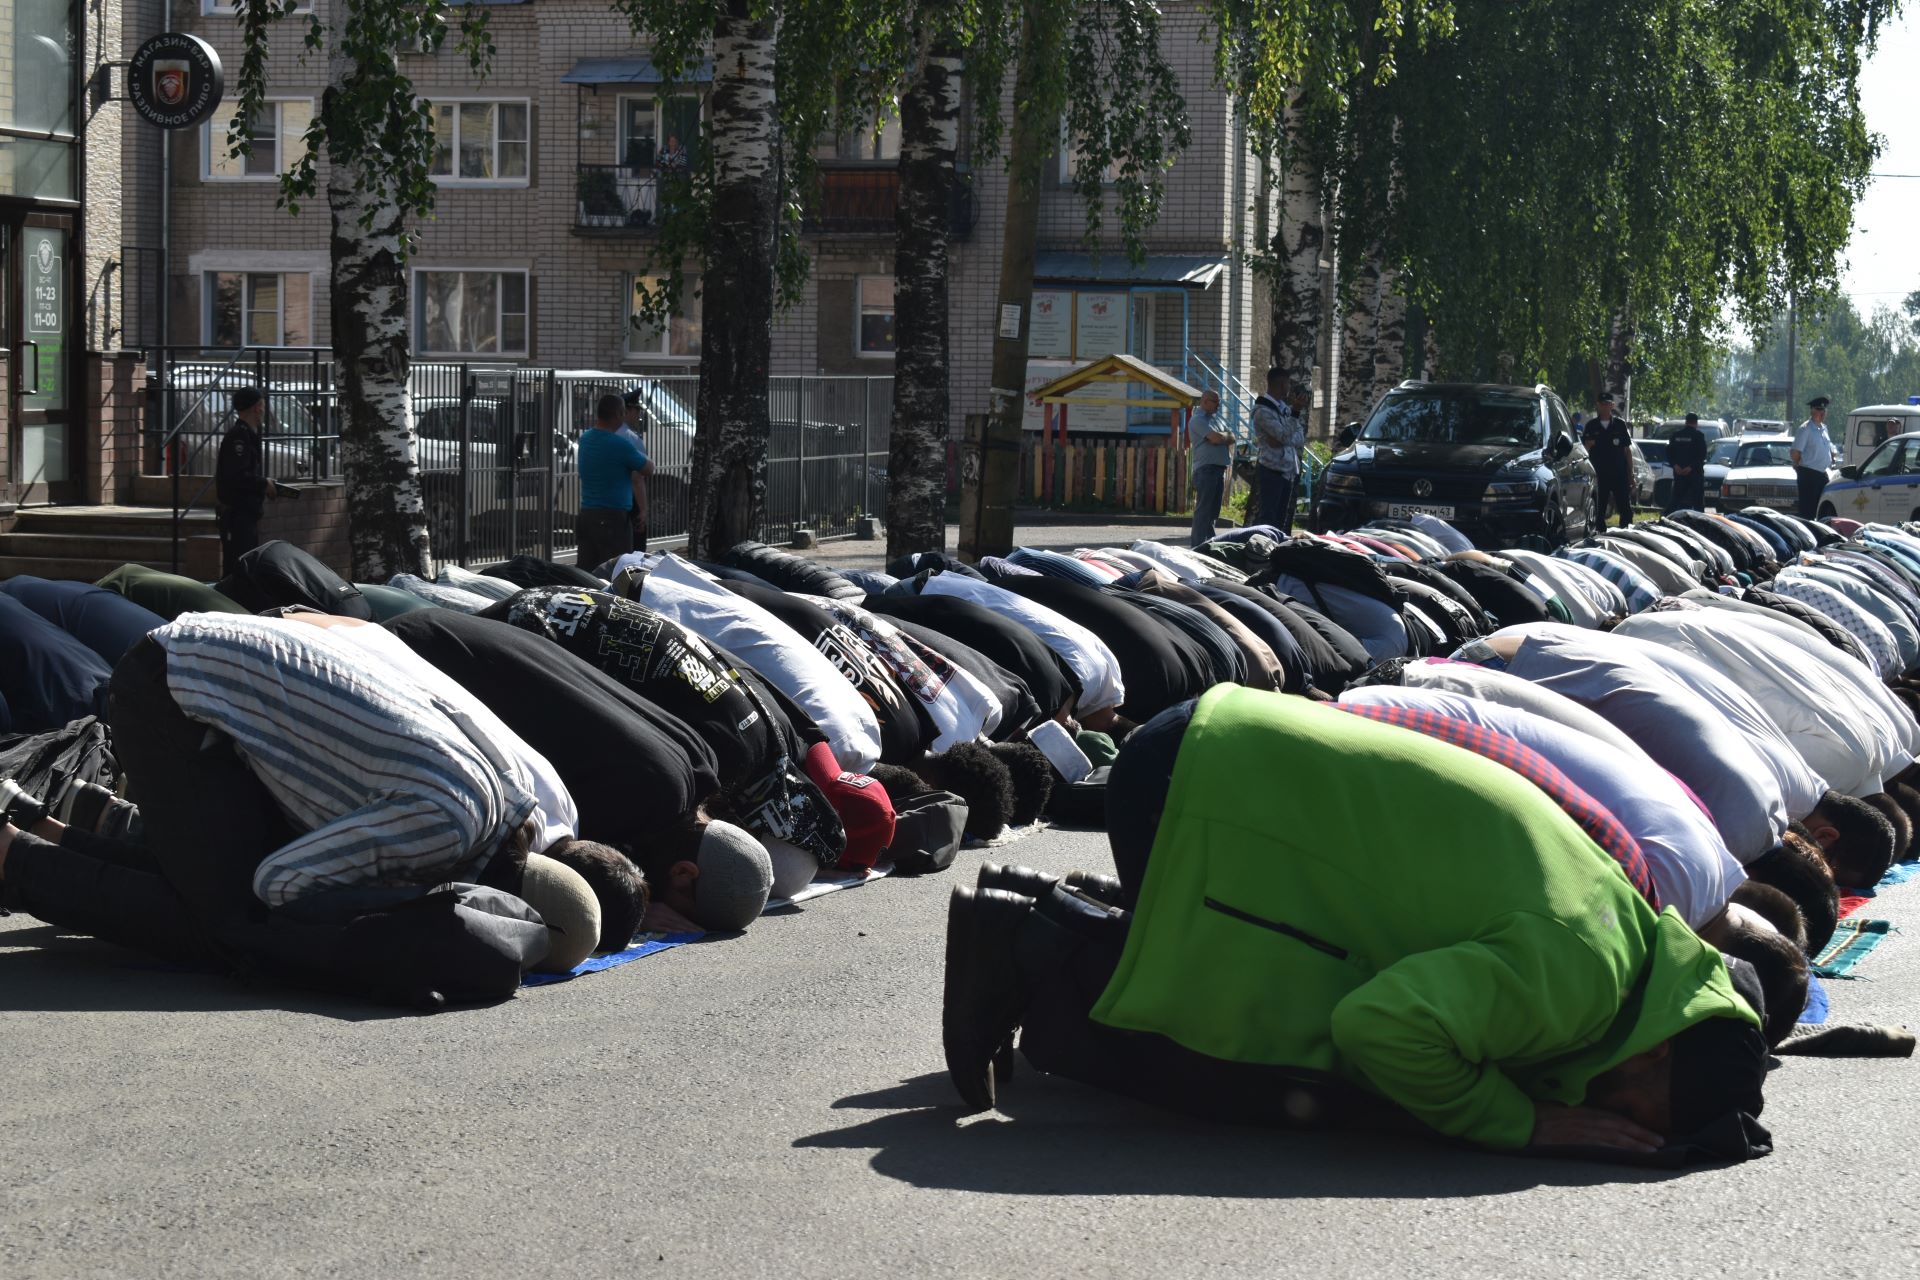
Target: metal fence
{"x":498,"y":445}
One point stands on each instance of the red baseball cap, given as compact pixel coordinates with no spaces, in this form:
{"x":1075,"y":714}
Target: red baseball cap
{"x":865,"y":808}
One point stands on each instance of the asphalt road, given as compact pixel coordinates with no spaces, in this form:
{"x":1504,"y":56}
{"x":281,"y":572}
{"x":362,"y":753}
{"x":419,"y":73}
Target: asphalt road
{"x":776,"y":1105}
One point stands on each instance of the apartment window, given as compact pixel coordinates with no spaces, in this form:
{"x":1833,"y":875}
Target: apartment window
{"x":226,"y":6}
{"x":880,"y":142}
{"x":1070,"y":148}
{"x":258,"y":309}
{"x":470,"y":313}
{"x":480,"y":142}
{"x":873,"y":335}
{"x":678,"y":339}
{"x":278,"y":134}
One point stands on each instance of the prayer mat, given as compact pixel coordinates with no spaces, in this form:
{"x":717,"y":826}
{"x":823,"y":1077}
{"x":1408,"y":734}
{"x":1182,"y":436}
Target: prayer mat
{"x":1008,"y":835}
{"x":1899,"y":873}
{"x":1851,"y":943}
{"x":1818,"y":1006}
{"x":652,"y":944}
{"x":1850,"y":903}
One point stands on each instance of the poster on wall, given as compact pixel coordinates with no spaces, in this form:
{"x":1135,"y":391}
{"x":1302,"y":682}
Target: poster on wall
{"x":1100,"y":325}
{"x":1050,"y":333}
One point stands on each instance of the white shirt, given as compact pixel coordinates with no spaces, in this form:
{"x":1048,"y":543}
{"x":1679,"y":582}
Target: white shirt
{"x":1691,"y":868}
{"x":960,"y":708}
{"x":1509,"y":690}
{"x":1085,"y":653}
{"x":1814,"y":446}
{"x":1841,"y":738}
{"x":1587,"y":605}
{"x":1666,"y":577}
{"x":1689,"y":736}
{"x":1865,"y":592}
{"x":775,"y":651}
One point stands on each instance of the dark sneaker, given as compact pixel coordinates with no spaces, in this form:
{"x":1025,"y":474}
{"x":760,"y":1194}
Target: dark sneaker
{"x":80,"y":804}
{"x":1024,"y":881}
{"x":984,"y":997}
{"x":17,"y":807}
{"x":1098,"y":887}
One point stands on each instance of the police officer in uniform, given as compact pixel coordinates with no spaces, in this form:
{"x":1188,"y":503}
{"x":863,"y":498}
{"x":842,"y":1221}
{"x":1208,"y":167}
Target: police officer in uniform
{"x":1812,"y":455}
{"x":240,"y":484}
{"x":1610,"y":443}
{"x":1687,"y":453}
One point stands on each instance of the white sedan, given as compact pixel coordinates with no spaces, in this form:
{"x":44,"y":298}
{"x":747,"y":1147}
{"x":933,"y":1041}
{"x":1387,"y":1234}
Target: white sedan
{"x":1759,"y":473}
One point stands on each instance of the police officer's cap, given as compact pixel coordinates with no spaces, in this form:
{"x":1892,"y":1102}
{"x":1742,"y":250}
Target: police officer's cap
{"x":245,"y":398}
{"x":1606,"y":397}
{"x":632,"y":398}
{"x":1819,"y":402}
{"x":1693,"y":419}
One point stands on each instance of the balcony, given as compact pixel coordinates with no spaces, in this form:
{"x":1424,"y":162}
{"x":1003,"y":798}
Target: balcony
{"x":852,"y":200}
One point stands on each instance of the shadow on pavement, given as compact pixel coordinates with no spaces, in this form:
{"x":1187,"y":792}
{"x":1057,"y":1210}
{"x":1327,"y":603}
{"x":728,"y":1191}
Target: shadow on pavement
{"x":57,"y":972}
{"x":1053,"y":1137}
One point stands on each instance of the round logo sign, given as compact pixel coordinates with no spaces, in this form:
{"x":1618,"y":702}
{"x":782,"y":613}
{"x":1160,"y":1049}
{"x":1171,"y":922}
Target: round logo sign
{"x":174,"y":80}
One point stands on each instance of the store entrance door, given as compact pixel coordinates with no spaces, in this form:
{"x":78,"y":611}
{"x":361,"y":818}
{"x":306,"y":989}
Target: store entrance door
{"x":38,"y":316}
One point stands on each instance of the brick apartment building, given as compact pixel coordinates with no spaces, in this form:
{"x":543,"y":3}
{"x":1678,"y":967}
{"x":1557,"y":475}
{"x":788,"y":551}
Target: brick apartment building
{"x":552,"y":173}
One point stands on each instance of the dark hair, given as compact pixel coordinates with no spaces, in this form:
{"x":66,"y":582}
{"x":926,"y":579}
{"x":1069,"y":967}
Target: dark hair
{"x":1865,"y":846}
{"x":609,"y":408}
{"x":1908,"y":798}
{"x":1796,"y":869}
{"x":1032,"y":778}
{"x":1897,"y":818}
{"x":679,"y":842}
{"x":1776,"y":908}
{"x":1782,"y":969}
{"x":1278,"y":374}
{"x":245,"y":398}
{"x":972,"y":772}
{"x":899,"y":780}
{"x":616,"y":883}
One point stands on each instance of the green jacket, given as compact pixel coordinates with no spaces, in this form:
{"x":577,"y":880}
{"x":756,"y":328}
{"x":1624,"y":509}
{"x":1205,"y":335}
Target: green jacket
{"x":1336,"y":894}
{"x":167,"y":594}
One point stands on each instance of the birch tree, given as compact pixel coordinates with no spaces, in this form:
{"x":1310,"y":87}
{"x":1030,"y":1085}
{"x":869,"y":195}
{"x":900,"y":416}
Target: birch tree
{"x":377,"y":139}
{"x":929,"y":153}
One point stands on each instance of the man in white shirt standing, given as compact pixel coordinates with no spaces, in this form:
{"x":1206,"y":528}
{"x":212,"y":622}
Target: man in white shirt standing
{"x":1812,"y":455}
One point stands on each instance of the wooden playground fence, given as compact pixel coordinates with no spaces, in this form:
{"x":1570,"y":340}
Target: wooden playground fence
{"x":1113,"y":474}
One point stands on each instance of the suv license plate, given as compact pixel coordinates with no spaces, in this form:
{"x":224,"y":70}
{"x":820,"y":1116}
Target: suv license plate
{"x":1400,"y":510}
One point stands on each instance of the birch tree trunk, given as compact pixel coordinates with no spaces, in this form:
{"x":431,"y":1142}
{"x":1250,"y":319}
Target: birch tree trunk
{"x":1300,"y":241}
{"x":1357,"y":329}
{"x":729,"y":462}
{"x":1389,"y":338}
{"x":916,"y":514}
{"x":385,"y":512}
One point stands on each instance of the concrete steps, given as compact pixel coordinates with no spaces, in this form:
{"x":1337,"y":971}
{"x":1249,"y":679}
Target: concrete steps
{"x":87,"y":543}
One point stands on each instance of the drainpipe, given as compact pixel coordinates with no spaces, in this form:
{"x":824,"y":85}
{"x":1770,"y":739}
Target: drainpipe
{"x":1231,"y":362}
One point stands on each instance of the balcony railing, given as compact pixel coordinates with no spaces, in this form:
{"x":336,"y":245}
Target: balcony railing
{"x":851,"y":200}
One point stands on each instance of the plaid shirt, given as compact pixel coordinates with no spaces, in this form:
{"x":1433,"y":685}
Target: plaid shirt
{"x":1601,"y":826}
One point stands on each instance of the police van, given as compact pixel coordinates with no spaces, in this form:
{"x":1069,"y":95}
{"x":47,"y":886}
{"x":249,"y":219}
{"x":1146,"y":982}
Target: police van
{"x":1884,"y":488}
{"x":1870,"y":426}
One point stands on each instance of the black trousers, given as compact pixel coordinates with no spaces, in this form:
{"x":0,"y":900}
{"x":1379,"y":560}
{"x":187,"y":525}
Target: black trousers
{"x":602,"y":534}
{"x":1689,"y":494}
{"x":239,"y":534}
{"x":1812,"y":485}
{"x":1616,"y":493}
{"x":187,"y":890}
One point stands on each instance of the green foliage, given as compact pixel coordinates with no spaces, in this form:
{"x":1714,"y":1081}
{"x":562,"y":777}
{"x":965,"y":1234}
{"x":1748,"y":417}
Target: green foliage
{"x":1837,"y":352}
{"x":370,"y":117}
{"x":1560,"y":161}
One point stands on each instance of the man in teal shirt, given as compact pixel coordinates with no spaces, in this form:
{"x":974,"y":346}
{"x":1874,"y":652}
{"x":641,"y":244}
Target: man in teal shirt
{"x":1211,"y":453}
{"x":1425,"y":929}
{"x":613,"y":480}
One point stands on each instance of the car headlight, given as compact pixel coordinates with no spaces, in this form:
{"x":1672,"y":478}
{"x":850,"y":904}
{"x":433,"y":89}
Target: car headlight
{"x":1734,"y":490}
{"x":1512,"y":491}
{"x":1345,"y":482}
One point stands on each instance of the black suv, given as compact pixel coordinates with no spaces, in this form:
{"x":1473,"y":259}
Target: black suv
{"x":1502,"y":464}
